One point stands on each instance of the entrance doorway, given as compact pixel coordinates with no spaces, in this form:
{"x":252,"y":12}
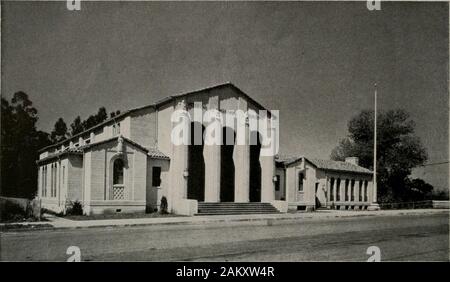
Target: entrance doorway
{"x":255,"y":168}
{"x":227,"y":169}
{"x":196,"y":167}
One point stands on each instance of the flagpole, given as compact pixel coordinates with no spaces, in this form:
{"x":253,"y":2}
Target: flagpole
{"x":374,"y":200}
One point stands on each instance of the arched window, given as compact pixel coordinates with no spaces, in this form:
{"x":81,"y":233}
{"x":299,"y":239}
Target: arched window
{"x":118,"y":183}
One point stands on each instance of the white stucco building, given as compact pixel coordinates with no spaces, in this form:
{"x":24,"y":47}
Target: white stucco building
{"x":129,"y":162}
{"x":309,"y":184}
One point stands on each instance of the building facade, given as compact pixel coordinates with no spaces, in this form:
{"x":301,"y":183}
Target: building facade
{"x":129,"y":162}
{"x":310,"y":184}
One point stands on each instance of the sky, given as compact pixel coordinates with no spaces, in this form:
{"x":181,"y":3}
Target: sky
{"x":314,"y":62}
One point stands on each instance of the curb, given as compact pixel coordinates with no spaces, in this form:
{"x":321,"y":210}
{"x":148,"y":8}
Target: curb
{"x":211,"y":221}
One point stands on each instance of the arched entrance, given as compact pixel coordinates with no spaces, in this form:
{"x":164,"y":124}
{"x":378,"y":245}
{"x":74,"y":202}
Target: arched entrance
{"x":196,"y":166}
{"x":227,"y":165}
{"x":255,"y":168}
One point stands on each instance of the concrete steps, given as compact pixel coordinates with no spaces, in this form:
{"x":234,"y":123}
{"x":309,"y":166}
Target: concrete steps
{"x":230,"y":208}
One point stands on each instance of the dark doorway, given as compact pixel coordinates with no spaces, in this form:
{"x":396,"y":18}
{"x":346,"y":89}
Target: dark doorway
{"x":255,"y":168}
{"x":227,"y":166}
{"x":196,"y":167}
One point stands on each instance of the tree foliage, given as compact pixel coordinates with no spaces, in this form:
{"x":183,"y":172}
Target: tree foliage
{"x":399,"y":150}
{"x":78,"y":125}
{"x":20,"y":141}
{"x":59,"y":132}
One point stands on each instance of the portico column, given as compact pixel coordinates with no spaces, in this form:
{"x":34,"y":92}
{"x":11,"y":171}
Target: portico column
{"x":40,"y":181}
{"x":211,"y":150}
{"x":178,"y":179}
{"x":267,"y":174}
{"x":179,"y":164}
{"x":241,"y":158}
{"x":211,"y":154}
{"x":267,"y":162}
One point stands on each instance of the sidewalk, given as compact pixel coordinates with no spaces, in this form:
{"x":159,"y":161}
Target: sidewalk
{"x":259,"y":219}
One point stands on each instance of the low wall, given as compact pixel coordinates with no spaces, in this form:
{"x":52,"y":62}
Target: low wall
{"x":441,"y":204}
{"x":407,"y":205}
{"x":109,"y":207}
{"x":51,"y":204}
{"x":185,"y":207}
{"x":23,"y":203}
{"x":281,"y":206}
{"x":10,"y":206}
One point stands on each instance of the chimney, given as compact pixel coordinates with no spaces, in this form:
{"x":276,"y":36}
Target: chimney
{"x":352,"y":160}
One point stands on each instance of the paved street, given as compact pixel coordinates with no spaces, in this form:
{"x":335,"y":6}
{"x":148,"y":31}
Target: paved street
{"x":400,"y":238}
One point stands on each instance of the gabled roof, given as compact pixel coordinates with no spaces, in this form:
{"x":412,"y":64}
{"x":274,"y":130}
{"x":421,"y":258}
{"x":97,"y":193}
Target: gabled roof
{"x":156,"y":105}
{"x":285,"y":161}
{"x":108,"y":121}
{"x":67,"y":151}
{"x":153,"y":153}
{"x":338,"y":166}
{"x":222,"y":85}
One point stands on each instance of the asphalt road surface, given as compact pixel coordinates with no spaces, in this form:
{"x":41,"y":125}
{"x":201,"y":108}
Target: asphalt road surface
{"x":399,"y":238}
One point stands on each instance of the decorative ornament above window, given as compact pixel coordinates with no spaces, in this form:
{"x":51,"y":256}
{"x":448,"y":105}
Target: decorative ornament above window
{"x":120,"y":145}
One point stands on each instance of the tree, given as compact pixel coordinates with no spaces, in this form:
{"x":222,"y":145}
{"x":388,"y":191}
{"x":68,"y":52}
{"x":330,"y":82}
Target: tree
{"x":20,"y":142}
{"x":93,"y":120}
{"x":101,"y":116}
{"x":76,"y":126}
{"x":419,"y":190}
{"x":114,"y":114}
{"x":398,"y":150}
{"x":59,"y":132}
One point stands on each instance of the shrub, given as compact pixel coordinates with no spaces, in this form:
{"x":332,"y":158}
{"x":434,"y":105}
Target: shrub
{"x":12,"y":212}
{"x":74,"y":208}
{"x":163,"y":207}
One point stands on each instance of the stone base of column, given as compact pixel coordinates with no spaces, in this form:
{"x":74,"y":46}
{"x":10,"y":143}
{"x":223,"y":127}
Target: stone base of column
{"x":373,"y":207}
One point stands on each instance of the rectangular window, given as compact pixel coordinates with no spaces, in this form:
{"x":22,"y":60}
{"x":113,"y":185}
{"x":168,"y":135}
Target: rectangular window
{"x":277,"y":183}
{"x":300,"y":182}
{"x":156,"y":176}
